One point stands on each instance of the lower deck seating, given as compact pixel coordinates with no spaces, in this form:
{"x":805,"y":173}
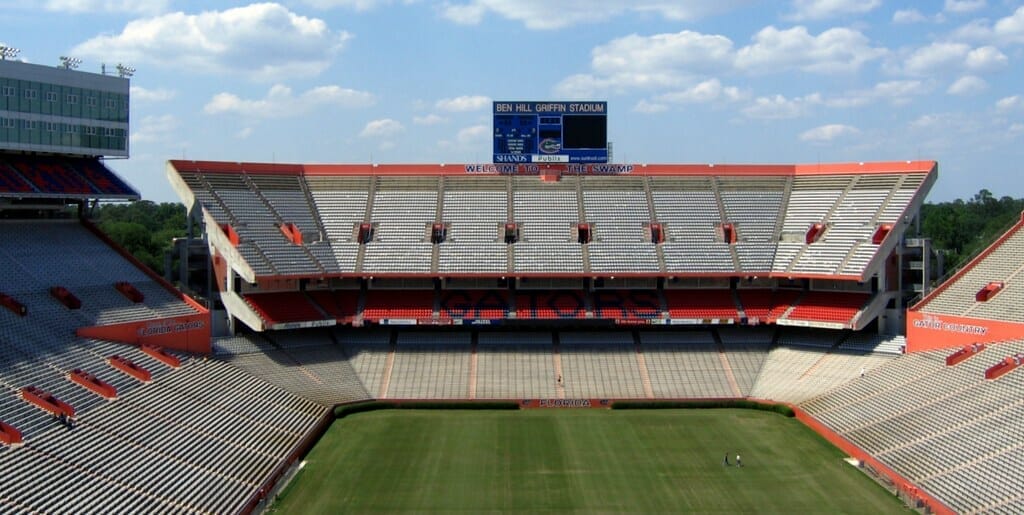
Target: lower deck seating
{"x":795,"y":374}
{"x":547,"y":305}
{"x":405,"y":304}
{"x":766,"y":305}
{"x":284,"y":307}
{"x":340,"y":304}
{"x":826,"y":306}
{"x":700,"y":304}
{"x":626,"y":304}
{"x":948,"y":430}
{"x":474,"y":304}
{"x":181,"y":443}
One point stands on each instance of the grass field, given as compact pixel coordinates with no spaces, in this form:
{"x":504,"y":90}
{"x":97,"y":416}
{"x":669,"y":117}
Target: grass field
{"x":583,"y":461}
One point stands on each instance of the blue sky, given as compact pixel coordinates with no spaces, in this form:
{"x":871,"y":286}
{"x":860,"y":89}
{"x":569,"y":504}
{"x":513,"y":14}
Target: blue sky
{"x":397,"y":81}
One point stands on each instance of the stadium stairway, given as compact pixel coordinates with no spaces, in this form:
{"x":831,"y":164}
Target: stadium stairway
{"x":726,"y":367}
{"x":641,"y":363}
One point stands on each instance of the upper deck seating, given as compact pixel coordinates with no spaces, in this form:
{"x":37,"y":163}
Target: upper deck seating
{"x":1002,"y":263}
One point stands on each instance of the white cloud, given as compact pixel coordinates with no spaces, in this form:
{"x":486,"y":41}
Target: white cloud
{"x":930,"y":121}
{"x":986,"y":58}
{"x":685,"y":50}
{"x":779,"y":107}
{"x":355,"y":5}
{"x":108,"y":6}
{"x":710,"y":90}
{"x":1010,"y":103}
{"x":473,"y":134}
{"x":465,"y":14}
{"x":908,"y":16}
{"x":430,"y":119}
{"x":155,"y":128}
{"x":947,"y":56}
{"x":967,"y":85}
{"x":1011,"y":28}
{"x":1007,"y":30}
{"x":896,"y":92}
{"x":645,"y":62}
{"x":963,"y":6}
{"x":674,"y":60}
{"x":151,"y":95}
{"x":826,"y":133}
{"x":821,"y":9}
{"x":644,"y":106}
{"x":260,"y":41}
{"x":280,"y":102}
{"x":463,"y":103}
{"x":936,"y":56}
{"x":585,"y":85}
{"x":546,"y":15}
{"x":834,"y":50}
{"x":382,"y":128}
{"x":244,"y":133}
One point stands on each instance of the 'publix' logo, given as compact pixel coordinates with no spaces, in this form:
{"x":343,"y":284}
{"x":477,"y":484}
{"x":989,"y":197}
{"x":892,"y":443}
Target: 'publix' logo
{"x":550,"y":146}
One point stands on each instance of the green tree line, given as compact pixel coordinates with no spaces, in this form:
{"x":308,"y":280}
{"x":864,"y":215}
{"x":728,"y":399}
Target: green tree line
{"x":145,"y":229}
{"x":962,"y":228}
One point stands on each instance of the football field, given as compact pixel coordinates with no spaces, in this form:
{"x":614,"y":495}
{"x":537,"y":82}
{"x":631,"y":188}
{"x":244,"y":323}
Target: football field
{"x":578,"y":461}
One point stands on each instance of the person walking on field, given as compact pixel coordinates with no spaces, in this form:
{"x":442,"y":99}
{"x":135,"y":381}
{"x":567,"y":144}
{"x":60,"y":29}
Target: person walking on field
{"x":725,"y":462}
{"x":739,"y":463}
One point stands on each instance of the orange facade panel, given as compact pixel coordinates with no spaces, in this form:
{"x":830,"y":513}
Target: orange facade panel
{"x":932,"y":332}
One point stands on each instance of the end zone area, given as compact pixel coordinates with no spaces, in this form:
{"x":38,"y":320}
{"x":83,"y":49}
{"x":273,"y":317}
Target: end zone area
{"x":578,"y":461}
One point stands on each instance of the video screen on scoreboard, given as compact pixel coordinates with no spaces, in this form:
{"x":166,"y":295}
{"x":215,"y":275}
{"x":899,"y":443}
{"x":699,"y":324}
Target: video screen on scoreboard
{"x":582,"y":131}
{"x":550,"y":132}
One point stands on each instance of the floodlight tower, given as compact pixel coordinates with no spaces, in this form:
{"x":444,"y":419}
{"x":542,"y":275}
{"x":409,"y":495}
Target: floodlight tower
{"x":69,"y":63}
{"x":7,"y":52}
{"x":124,"y":71}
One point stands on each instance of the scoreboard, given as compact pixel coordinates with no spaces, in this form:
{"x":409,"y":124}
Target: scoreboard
{"x":550,"y":132}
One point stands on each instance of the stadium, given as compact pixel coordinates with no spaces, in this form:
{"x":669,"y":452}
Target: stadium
{"x":550,"y":278}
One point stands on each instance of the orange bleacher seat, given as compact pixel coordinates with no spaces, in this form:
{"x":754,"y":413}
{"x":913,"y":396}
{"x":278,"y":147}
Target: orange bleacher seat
{"x":700,"y":304}
{"x":627,"y":305}
{"x":828,"y":306}
{"x":474,"y":304}
{"x":283,"y":307}
{"x":340,"y":304}
{"x":549,"y":305}
{"x":767,"y":305}
{"x":11,"y":181}
{"x":406,"y":304}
